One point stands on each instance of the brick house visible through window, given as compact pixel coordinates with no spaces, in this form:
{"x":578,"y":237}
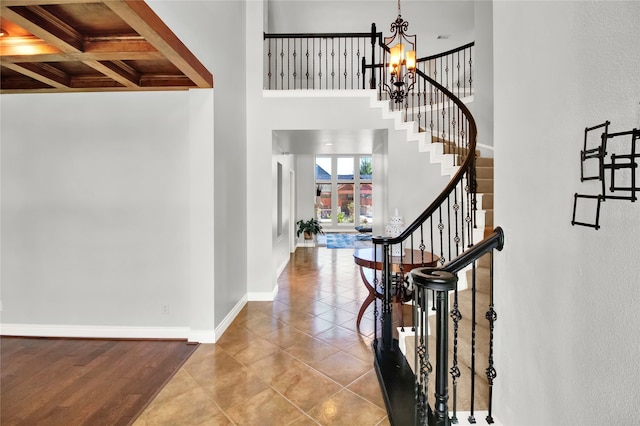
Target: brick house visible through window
{"x":344,"y":197}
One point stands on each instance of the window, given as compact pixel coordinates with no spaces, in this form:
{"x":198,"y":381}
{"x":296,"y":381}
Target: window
{"x":343,"y":190}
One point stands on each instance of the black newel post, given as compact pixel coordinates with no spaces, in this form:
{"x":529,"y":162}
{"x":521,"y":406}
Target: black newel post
{"x":441,"y":282}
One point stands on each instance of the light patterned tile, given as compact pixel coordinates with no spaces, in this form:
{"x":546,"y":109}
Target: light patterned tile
{"x":192,"y":407}
{"x":210,"y":369}
{"x":234,"y":388}
{"x":368,"y":388}
{"x":305,"y":387}
{"x":342,"y":367}
{"x":311,"y":350}
{"x":266,"y":408}
{"x":347,"y":408}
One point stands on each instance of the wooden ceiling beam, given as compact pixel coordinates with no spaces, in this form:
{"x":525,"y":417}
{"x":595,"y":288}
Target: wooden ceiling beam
{"x":116,"y":70}
{"x":43,"y":73}
{"x":70,"y":57}
{"x":139,"y":16}
{"x":33,"y":49}
{"x":14,"y":3}
{"x":45,"y":26}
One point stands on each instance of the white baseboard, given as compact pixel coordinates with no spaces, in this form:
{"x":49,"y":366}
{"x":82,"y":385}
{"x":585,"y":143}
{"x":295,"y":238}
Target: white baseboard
{"x":226,"y":322}
{"x":94,"y":331}
{"x":254,"y":296}
{"x":281,"y":267}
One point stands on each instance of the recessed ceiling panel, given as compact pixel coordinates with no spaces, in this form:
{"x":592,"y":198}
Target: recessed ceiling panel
{"x":92,"y":45}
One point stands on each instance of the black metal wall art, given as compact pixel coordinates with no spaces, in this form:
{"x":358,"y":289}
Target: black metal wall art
{"x":614,"y":163}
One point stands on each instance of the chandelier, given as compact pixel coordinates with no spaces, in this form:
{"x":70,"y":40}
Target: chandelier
{"x":400,"y":58}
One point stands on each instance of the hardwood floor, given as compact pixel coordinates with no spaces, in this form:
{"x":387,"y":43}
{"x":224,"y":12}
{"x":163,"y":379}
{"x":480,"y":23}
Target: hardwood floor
{"x":83,"y":381}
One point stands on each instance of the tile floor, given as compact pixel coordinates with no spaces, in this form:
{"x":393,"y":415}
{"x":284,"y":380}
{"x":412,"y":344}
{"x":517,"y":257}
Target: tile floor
{"x":298,"y":360}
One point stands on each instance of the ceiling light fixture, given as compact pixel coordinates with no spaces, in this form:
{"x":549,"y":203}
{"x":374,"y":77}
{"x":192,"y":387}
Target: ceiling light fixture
{"x":400,"y":58}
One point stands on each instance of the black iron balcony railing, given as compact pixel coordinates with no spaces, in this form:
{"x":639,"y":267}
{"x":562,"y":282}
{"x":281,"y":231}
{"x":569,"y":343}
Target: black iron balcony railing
{"x":445,"y":230}
{"x":328,"y":61}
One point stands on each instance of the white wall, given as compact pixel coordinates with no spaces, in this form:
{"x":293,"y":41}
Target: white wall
{"x":482,"y":106}
{"x":427,"y":19}
{"x":95,"y":217}
{"x":567,"y":297}
{"x":280,"y":243}
{"x":207,"y":27}
{"x":178,"y":167}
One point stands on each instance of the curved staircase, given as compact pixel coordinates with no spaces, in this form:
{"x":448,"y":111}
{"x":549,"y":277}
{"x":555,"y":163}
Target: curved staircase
{"x":457,"y":227}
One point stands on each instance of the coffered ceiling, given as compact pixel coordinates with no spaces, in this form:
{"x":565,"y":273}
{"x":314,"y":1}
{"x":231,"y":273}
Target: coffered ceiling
{"x":92,"y":45}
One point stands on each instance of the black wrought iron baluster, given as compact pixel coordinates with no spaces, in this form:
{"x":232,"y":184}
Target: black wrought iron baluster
{"x":269,"y":67}
{"x":456,"y":316}
{"x":458,"y":136}
{"x":358,"y":59}
{"x":443,"y":258}
{"x":449,"y":226}
{"x":313,"y":63}
{"x":458,"y":77}
{"x":435,"y":70}
{"x":472,"y":418}
{"x":491,"y":316}
{"x":452,"y":140}
{"x":441,"y":81}
{"x":294,"y":54}
{"x":301,"y":62}
{"x":433,"y":306}
{"x":421,"y":357}
{"x":432,"y":94}
{"x":418,"y":115}
{"x":468,"y":220}
{"x":474,"y":192}
{"x":465,"y":70}
{"x":345,"y":70}
{"x":446,"y":73}
{"x":444,"y":124}
{"x":307,"y":68}
{"x":333,"y":66}
{"x":326,"y":64}
{"x":320,"y":64}
{"x":282,"y":64}
{"x":456,"y":208}
{"x":462,"y":214}
{"x":470,"y":74}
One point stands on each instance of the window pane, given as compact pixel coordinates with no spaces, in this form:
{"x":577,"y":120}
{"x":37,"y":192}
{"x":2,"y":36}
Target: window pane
{"x":345,"y":202}
{"x":323,"y":204}
{"x":366,"y":210}
{"x":345,"y":168}
{"x":323,"y":168}
{"x":365,"y":168}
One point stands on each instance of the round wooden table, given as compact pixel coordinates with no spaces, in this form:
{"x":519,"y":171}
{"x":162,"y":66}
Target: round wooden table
{"x":367,"y":258}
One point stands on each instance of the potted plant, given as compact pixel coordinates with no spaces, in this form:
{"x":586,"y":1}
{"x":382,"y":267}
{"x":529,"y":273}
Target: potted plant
{"x":309,"y":228}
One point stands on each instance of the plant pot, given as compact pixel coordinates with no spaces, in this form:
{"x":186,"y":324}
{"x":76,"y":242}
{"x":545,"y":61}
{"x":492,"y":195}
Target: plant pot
{"x":308,"y":236}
